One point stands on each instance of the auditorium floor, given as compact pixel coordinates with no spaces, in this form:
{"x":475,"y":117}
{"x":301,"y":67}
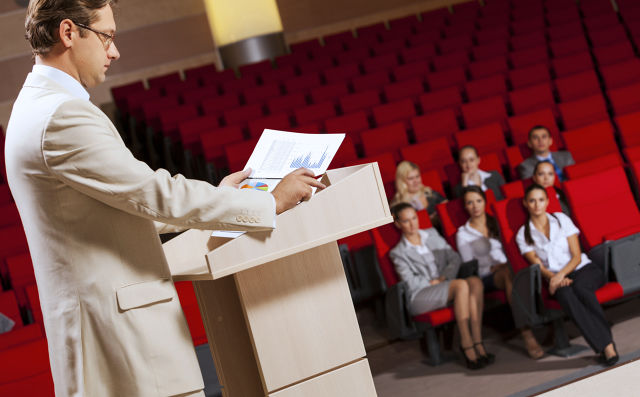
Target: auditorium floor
{"x":398,"y":368}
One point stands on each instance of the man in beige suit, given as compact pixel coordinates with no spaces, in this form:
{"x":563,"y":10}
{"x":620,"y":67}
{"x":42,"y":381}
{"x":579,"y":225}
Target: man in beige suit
{"x":92,"y":213}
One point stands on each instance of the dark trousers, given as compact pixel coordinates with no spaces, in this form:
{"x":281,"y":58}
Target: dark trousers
{"x":579,"y":301}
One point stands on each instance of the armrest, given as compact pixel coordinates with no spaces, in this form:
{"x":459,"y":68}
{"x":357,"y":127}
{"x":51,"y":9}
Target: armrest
{"x":524,"y":296}
{"x":399,"y":321}
{"x":468,"y":269}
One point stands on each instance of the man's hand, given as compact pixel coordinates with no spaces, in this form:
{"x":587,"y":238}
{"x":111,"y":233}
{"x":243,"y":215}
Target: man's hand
{"x":235,"y":179}
{"x":293,"y":188}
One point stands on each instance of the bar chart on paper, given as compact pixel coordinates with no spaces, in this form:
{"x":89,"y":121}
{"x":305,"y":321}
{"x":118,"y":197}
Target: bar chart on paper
{"x":278,"y":153}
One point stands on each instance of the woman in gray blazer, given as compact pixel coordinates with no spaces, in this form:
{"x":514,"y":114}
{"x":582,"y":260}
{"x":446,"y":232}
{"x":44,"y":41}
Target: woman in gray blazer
{"x":429,"y":266}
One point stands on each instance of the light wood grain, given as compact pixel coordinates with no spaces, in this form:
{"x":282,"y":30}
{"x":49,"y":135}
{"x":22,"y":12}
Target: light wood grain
{"x":353,"y":380}
{"x":228,"y":337}
{"x":301,"y":318}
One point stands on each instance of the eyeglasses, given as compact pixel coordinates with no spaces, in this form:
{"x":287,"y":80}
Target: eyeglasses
{"x":108,"y":38}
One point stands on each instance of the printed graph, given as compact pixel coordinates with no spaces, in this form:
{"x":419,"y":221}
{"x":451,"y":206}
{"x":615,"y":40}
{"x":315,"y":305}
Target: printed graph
{"x":304,"y":160}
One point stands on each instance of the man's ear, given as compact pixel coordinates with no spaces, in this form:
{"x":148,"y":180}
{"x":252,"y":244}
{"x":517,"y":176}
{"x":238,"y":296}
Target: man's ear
{"x":529,"y":144}
{"x":550,"y":141}
{"x":66,"y":32}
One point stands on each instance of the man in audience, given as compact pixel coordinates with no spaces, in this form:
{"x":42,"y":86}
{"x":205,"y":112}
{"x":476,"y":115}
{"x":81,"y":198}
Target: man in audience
{"x":540,"y":141}
{"x":92,"y":213}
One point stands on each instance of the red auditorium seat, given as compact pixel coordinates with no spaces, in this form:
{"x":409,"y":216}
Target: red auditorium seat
{"x":339,"y":37}
{"x":386,"y":163}
{"x":243,"y":114}
{"x":607,"y":35}
{"x":302,"y":83}
{"x":351,"y":124}
{"x":528,"y":40}
{"x":217,"y":105}
{"x":565,"y":30}
{"x":370,"y":81}
{"x":530,"y":24}
{"x":119,"y":93}
{"x":569,"y":46}
{"x":434,"y":125}
{"x":583,"y":111}
{"x":497,"y":48}
{"x":402,"y":111}
{"x":422,"y":52}
{"x":179,"y":87}
{"x":5,"y":193}
{"x":286,"y":103}
{"x":197,"y":96}
{"x":364,"y":100}
{"x":9,"y":215}
{"x":261,"y":93}
{"x":15,"y":370}
{"x":190,"y":131}
{"x":310,"y":128}
{"x":390,"y":46}
{"x":380,"y":63}
{"x":613,"y":197}
{"x":489,"y":110}
{"x":314,"y":66}
{"x":278,"y":75}
{"x":614,"y":53}
{"x":238,"y":85}
{"x":591,"y":141}
{"x":305,"y":46}
{"x":345,"y":154}
{"x":316,"y":112}
{"x":486,"y":87}
{"x":329,"y":92}
{"x":599,"y":15}
{"x":574,"y":63}
{"x":432,"y":179}
{"x":214,"y":142}
{"x":253,"y":69}
{"x":21,"y":274}
{"x":441,"y":99}
{"x":629,"y":129}
{"x":170,"y":119}
{"x":496,"y":34}
{"x":237,"y":154}
{"x":191,"y":311}
{"x":593,"y":166}
{"x":278,"y":121}
{"x":384,"y":139}
{"x":341,"y":73}
{"x":161,"y":81}
{"x":445,"y":62}
{"x":209,"y":75}
{"x":455,"y":44}
{"x":452,"y":215}
{"x":14,"y":242}
{"x":34,"y":304}
{"x":621,"y":74}
{"x":530,"y":56}
{"x":532,"y":98}
{"x":411,"y":88}
{"x":625,"y":100}
{"x":529,"y":75}
{"x":9,"y":307}
{"x":521,"y":125}
{"x":486,"y":139}
{"x":489,"y":67}
{"x":449,"y":78}
{"x":291,"y":60}
{"x":430,"y":155}
{"x":578,"y":86}
{"x":411,"y":71}
{"x":152,"y":109}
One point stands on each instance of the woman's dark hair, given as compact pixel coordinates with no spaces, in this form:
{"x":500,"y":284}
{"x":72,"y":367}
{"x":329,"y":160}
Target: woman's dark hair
{"x":398,"y":208}
{"x":492,"y":223}
{"x":527,"y":228}
{"x":535,"y":169}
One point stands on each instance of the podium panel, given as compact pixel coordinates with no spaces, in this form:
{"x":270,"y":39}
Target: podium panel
{"x":353,"y":380}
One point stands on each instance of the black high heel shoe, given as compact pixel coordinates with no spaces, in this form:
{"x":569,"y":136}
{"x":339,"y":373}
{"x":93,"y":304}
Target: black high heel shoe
{"x":611,"y":360}
{"x":471,"y":364}
{"x":487,"y":358}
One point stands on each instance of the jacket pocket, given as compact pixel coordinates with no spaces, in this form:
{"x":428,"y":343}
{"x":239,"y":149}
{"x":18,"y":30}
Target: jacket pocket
{"x":145,"y":293}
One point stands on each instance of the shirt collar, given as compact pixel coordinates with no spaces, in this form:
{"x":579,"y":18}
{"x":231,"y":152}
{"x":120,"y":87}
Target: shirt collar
{"x":553,"y":229}
{"x":65,"y":80}
{"x":471,"y":230}
{"x":483,"y":174}
{"x":548,"y":157}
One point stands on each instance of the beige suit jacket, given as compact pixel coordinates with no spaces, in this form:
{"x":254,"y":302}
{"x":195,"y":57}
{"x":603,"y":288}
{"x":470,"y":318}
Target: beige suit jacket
{"x":90,"y":212}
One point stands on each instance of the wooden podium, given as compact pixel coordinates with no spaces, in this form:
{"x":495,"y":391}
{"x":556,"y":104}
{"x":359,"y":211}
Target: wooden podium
{"x":276,"y":305}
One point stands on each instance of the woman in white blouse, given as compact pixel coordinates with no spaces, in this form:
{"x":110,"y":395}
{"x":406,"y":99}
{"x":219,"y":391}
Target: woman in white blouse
{"x":479,"y":239}
{"x":551,"y":241}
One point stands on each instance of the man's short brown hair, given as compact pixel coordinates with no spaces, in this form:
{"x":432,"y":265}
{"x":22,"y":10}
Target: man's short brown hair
{"x":44,"y":17}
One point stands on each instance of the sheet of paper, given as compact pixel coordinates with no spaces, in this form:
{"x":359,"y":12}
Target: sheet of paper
{"x":278,"y":153}
{"x":227,"y":233}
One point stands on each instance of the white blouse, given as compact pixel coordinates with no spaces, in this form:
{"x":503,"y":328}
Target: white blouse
{"x":474,"y":245}
{"x":553,"y":251}
{"x":483,"y":177}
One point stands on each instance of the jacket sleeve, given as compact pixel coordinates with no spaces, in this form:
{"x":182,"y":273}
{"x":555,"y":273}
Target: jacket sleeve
{"x":82,"y":149}
{"x":451,"y":258}
{"x":403,"y":267}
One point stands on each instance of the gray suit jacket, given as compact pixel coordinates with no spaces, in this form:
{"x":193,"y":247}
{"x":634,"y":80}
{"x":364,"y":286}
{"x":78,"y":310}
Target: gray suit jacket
{"x":562,"y":159}
{"x":411,"y":266}
{"x":91,"y":213}
{"x":493,"y":182}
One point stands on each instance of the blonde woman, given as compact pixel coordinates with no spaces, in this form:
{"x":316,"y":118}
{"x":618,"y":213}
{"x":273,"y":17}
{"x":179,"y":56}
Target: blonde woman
{"x":409,"y":189}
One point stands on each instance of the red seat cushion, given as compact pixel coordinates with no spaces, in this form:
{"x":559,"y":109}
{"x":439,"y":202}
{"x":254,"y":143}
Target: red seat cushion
{"x":436,"y":317}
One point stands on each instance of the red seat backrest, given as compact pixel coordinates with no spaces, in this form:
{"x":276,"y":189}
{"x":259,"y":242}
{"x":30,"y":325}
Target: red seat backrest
{"x":480,"y":113}
{"x":386,"y":163}
{"x":384,"y":139}
{"x":591,"y":141}
{"x":629,"y":128}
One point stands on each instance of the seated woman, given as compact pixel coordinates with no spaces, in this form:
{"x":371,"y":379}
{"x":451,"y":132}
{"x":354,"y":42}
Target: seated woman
{"x":429,"y":266}
{"x":409,"y":189}
{"x":545,"y":175}
{"x":469,"y":162}
{"x":551,"y":241}
{"x":479,"y":239}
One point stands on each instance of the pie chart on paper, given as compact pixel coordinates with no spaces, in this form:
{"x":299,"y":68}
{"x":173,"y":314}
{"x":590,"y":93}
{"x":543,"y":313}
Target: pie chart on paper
{"x":257,"y":186}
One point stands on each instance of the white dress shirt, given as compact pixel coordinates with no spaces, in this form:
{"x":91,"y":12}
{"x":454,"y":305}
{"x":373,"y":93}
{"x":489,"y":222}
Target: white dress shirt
{"x":474,"y":245}
{"x":553,"y":251}
{"x":483,"y":177}
{"x":426,"y":253}
{"x":62,"y":78}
